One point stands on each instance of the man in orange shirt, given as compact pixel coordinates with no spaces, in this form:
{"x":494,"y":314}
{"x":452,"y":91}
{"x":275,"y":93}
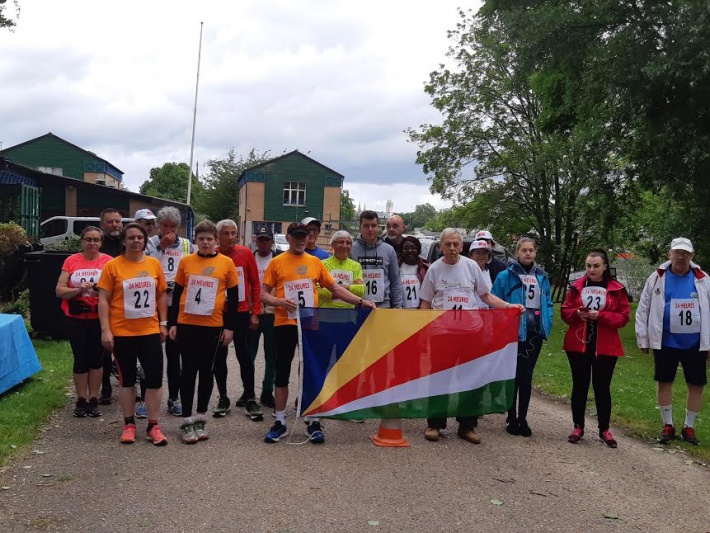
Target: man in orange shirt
{"x":295,"y":275}
{"x":247,"y":318}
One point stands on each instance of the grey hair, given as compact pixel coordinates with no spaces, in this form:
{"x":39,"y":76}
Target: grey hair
{"x":226,"y":222}
{"x":450,"y":231}
{"x":523,"y":240}
{"x":169,"y":214}
{"x":341,"y":234}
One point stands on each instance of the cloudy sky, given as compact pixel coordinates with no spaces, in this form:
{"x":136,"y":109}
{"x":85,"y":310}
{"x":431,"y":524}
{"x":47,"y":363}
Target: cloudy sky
{"x":338,"y":80}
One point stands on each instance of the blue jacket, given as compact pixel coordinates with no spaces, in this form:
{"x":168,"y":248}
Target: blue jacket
{"x":509,"y":287}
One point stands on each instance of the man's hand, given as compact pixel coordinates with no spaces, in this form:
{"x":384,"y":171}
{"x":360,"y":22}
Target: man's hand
{"x":253,"y":322}
{"x":227,"y":337}
{"x":172,"y":333}
{"x":368,"y":304}
{"x":290,"y":305}
{"x":167,"y":239}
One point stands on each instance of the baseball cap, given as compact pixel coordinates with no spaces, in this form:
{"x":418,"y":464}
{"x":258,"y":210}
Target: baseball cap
{"x":144,"y":214}
{"x":297,"y":229}
{"x":484,"y":235}
{"x":265,"y":233}
{"x":478,"y":245}
{"x":681,"y":243}
{"x":308,"y":220}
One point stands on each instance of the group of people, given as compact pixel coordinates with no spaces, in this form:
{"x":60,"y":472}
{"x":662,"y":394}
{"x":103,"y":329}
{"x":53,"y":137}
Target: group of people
{"x":147,"y":290}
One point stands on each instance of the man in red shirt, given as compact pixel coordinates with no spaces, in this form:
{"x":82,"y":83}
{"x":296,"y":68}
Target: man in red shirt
{"x":247,"y":318}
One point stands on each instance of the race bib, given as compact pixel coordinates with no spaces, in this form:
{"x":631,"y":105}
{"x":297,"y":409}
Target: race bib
{"x":458,"y":299}
{"x":139,"y":298}
{"x":242,"y":287}
{"x":300,"y":291}
{"x":374,"y":284}
{"x":532,"y":292}
{"x":169,"y":260}
{"x":342,"y":277}
{"x":201,"y":293}
{"x":410,"y":290}
{"x":84,"y":275}
{"x":685,"y":315}
{"x":594,"y":298}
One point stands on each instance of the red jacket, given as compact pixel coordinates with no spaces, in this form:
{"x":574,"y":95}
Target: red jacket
{"x":613,"y":317}
{"x":243,"y":257}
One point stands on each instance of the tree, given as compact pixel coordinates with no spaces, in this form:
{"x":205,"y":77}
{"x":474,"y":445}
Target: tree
{"x":348,"y":212}
{"x":7,"y":22}
{"x":220,"y":197}
{"x":170,"y":182}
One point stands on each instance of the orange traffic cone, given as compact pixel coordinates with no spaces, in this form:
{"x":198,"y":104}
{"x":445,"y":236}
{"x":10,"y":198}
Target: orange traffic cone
{"x":390,"y":434}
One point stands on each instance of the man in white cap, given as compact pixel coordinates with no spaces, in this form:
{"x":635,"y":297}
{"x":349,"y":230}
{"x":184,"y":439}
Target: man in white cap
{"x":146,"y":218}
{"x":673,"y":319}
{"x":313,"y":225}
{"x":495,"y":266}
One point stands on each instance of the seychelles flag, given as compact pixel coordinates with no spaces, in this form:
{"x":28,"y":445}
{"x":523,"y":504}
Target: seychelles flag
{"x":402,"y":363}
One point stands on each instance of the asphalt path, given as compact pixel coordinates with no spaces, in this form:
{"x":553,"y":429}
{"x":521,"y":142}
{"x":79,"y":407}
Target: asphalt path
{"x":78,"y":477}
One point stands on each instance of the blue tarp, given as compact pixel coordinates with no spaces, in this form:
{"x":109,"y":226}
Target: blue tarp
{"x":18,"y":359}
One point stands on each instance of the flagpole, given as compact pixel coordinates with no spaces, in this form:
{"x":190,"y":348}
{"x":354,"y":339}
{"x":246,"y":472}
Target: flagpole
{"x":194,"y":118}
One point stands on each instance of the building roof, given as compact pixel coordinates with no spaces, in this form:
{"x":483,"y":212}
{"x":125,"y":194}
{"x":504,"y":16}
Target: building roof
{"x":295,"y":152}
{"x":72,"y":145}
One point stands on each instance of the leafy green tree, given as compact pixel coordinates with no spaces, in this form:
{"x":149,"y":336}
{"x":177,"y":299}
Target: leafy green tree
{"x":348,"y":213}
{"x":220,"y":197}
{"x":170,"y":182}
{"x":6,"y":22}
{"x":420,"y":218}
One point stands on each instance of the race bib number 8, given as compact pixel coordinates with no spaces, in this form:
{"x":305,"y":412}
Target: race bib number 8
{"x":200,"y":295}
{"x":301,"y":292}
{"x":374,"y":284}
{"x":139,"y":298}
{"x":532,"y":292}
{"x":594,"y":298}
{"x":685,"y":315}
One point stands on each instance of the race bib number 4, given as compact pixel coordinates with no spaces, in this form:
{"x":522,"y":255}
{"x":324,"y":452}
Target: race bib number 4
{"x":200,"y":295}
{"x":685,"y":315}
{"x":301,"y":292}
{"x":532,"y":292}
{"x":374,"y":284}
{"x":139,"y":298}
{"x":594,"y":298}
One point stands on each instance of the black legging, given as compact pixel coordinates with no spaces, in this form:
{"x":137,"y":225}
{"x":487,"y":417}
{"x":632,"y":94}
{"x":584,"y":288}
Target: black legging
{"x":528,"y":352}
{"x":600,"y":369}
{"x":198,"y":347}
{"x":246,"y":365}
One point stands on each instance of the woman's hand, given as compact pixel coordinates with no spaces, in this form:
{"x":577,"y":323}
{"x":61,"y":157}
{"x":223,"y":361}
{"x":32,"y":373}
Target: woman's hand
{"x":107,"y":341}
{"x":227,"y":337}
{"x":172,"y":333}
{"x":163,"y":333}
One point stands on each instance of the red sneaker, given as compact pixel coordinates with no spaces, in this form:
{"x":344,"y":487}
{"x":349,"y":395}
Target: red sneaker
{"x":667,"y":435}
{"x":688,"y":435}
{"x":576,"y":435}
{"x":129,"y":434}
{"x":608,"y":438}
{"x":155,"y":435}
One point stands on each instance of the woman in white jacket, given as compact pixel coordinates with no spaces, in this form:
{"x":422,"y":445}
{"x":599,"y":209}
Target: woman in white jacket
{"x":673,"y":319}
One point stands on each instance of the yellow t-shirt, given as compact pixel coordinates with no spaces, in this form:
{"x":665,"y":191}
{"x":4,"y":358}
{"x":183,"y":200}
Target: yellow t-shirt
{"x":295,"y":277}
{"x":134,"y":288}
{"x":205,"y":280}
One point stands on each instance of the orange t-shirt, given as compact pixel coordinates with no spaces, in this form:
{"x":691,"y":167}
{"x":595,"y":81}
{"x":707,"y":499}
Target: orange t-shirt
{"x":295,"y":277}
{"x":81,"y":270}
{"x":134,"y":288}
{"x":205,"y":280}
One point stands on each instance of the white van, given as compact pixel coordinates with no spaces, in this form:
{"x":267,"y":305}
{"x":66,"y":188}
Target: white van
{"x":56,"y":229}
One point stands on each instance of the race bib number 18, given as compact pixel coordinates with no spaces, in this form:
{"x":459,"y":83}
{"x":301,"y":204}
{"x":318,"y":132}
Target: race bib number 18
{"x":685,"y":315}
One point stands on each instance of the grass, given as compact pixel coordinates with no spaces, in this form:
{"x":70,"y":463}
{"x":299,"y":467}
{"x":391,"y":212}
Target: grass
{"x":632,"y":388}
{"x":26,"y":408}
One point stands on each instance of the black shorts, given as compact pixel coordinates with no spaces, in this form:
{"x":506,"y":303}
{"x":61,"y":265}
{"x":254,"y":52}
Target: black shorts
{"x":694,"y":365}
{"x":286,"y":340}
{"x":145,"y":348}
{"x":85,"y":340}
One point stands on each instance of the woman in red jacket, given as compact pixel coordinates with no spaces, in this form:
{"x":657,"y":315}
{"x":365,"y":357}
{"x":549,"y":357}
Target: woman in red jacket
{"x":596,"y":307}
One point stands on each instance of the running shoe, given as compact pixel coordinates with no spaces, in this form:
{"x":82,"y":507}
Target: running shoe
{"x":200,"y":430}
{"x":267,"y":400}
{"x":276,"y":432}
{"x":667,"y":435}
{"x":576,"y":435}
{"x":187,"y":433}
{"x":222,"y":407}
{"x":523,"y":429}
{"x":129,"y":434}
{"x":105,"y":398}
{"x":82,"y":408}
{"x":174,"y":407}
{"x":469,"y":435}
{"x":315,"y":433}
{"x":688,"y":435}
{"x":253,"y":411}
{"x":155,"y":435}
{"x":94,"y":409}
{"x":608,"y":438}
{"x":242,"y":401}
{"x":511,"y":426}
{"x":141,"y":410}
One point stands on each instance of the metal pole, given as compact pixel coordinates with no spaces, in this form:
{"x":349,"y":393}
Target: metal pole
{"x":194,"y":118}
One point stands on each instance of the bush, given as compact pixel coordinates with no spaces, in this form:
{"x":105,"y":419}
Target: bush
{"x":72,"y":244}
{"x":19,"y":306}
{"x":11,"y":237}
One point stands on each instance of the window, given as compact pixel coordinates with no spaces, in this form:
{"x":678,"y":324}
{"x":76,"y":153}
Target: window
{"x":294,"y":193}
{"x":54,"y":228}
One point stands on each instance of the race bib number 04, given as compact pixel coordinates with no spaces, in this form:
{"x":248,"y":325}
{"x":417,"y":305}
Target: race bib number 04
{"x":685,"y":316}
{"x":374,"y":284}
{"x":139,"y":298}
{"x":200,"y":295}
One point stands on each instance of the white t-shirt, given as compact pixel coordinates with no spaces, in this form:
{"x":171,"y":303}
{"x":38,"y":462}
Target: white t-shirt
{"x":454,"y":286}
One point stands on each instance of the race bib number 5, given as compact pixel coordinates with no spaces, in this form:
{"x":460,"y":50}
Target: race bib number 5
{"x":374,"y":284}
{"x":532,"y":292}
{"x":200,"y":295}
{"x":139,"y":298}
{"x":301,"y":292}
{"x":685,"y":315}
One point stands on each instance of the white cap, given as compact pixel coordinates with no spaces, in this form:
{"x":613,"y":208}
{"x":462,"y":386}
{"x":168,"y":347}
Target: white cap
{"x":681,"y":243}
{"x":484,"y":235}
{"x":144,"y":214}
{"x":479,"y":245}
{"x":308,"y":220}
